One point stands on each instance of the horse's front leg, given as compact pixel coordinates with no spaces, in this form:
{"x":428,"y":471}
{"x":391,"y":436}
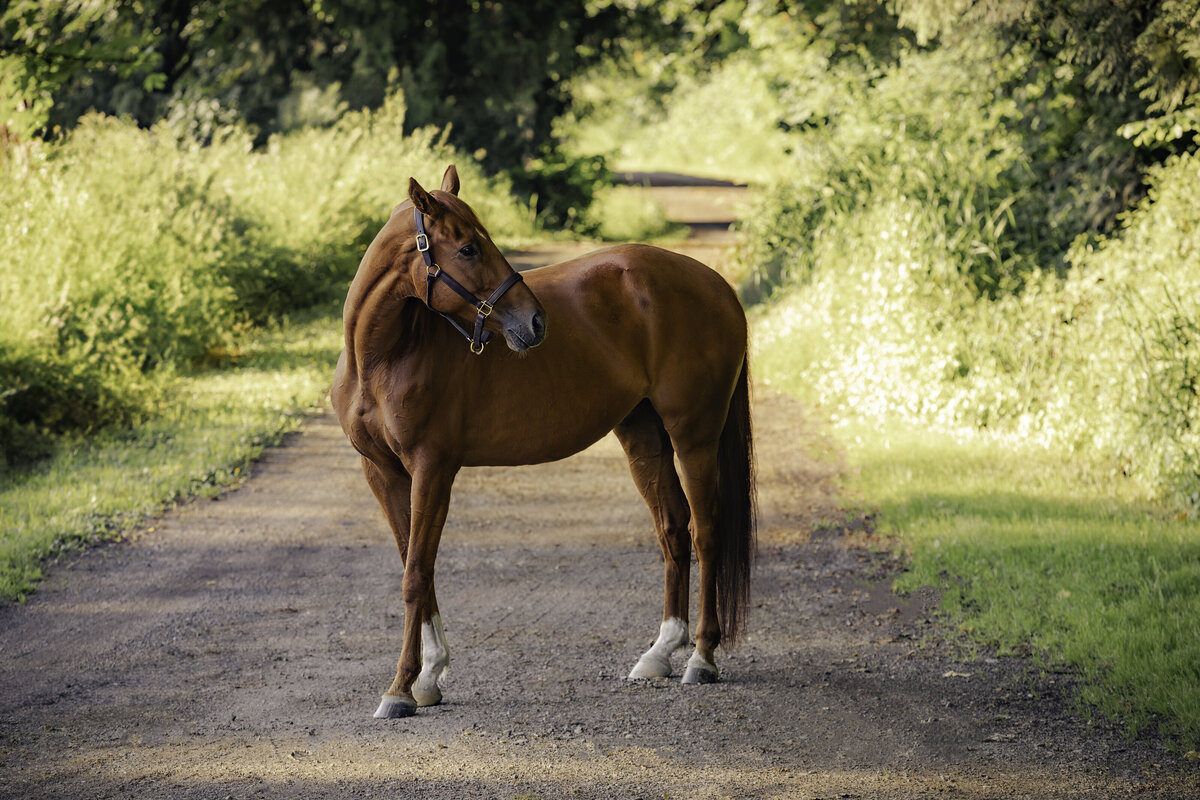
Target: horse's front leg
{"x":435,"y":657}
{"x":430,"y":502}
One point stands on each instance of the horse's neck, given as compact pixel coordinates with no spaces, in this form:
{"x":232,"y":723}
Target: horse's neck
{"x":381,"y":321}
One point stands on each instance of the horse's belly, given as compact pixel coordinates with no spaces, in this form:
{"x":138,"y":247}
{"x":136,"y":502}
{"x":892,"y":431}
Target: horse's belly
{"x":542,"y":438}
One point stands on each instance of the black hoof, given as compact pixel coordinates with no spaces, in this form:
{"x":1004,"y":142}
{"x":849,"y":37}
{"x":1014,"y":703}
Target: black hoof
{"x":694,"y":675}
{"x":395,"y":707}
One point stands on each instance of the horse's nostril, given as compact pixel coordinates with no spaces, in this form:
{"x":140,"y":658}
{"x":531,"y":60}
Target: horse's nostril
{"x":539,"y":325}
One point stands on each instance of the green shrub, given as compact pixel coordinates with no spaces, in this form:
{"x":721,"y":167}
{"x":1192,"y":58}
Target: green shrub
{"x":930,"y":132}
{"x":720,"y":124}
{"x":126,"y":254}
{"x":41,"y":397}
{"x":562,"y":187}
{"x":899,"y":240}
{"x":1143,"y":328}
{"x":629,"y":214}
{"x":111,"y":250}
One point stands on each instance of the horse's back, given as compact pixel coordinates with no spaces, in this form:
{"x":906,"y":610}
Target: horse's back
{"x":664,"y":290}
{"x":676,"y":318}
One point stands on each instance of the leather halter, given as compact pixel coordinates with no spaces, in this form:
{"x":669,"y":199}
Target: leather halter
{"x":479,"y":337}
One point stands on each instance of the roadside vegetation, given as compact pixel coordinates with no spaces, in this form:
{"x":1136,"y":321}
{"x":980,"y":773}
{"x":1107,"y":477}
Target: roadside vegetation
{"x":975,"y":249}
{"x":167,"y":308}
{"x":206,"y":428}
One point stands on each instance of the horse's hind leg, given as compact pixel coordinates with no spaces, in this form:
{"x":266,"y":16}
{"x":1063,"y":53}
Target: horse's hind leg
{"x":651,"y":461}
{"x":699,"y":471}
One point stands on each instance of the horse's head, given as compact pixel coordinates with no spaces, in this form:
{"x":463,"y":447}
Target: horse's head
{"x":462,"y":274}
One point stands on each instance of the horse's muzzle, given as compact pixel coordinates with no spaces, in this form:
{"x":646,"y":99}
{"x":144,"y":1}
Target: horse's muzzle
{"x":521,"y":335}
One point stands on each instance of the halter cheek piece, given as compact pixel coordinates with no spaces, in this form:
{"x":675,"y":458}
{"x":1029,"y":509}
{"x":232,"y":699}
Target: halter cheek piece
{"x":479,"y":337}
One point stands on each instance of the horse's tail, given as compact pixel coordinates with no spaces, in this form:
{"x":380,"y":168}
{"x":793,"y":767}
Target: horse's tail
{"x":736,"y":509}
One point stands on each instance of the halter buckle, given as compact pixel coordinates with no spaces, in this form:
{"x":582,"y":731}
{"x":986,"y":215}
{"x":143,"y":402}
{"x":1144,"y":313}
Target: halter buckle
{"x":485,"y":308}
{"x":422,"y":243}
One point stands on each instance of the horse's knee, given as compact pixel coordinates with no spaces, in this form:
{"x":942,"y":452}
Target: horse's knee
{"x":417,"y":582}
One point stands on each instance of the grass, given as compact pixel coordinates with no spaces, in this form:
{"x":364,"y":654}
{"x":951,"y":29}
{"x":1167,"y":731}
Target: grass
{"x":208,"y":430}
{"x":1036,"y":553}
{"x":630,"y":214}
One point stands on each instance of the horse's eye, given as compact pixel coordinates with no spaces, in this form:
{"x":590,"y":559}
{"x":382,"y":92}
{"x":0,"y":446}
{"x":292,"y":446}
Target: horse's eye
{"x":469,"y":251}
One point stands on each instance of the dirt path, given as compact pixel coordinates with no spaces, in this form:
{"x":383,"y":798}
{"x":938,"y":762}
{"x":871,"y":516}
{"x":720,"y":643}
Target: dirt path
{"x":238,"y":647}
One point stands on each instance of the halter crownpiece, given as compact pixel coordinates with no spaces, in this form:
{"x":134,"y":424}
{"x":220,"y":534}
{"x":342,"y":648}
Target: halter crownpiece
{"x":479,"y":337}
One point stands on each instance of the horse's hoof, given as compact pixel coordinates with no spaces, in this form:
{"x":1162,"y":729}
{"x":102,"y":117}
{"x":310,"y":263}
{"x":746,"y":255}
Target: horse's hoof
{"x":429,"y":695}
{"x":394,"y":707}
{"x":650,"y":667}
{"x":700,"y":670}
{"x":695,"y":674}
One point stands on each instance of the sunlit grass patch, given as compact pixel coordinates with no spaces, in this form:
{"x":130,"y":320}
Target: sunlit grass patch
{"x":207,"y":431}
{"x":1036,"y":553}
{"x":630,"y":214}
{"x":1036,"y":550}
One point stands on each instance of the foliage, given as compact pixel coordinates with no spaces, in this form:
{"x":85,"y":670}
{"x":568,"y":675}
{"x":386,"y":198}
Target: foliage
{"x":1135,"y":293}
{"x":1133,"y":66}
{"x":128,"y":253}
{"x":1146,"y":51}
{"x":1102,"y":362}
{"x":1037,"y":554}
{"x":206,"y":431}
{"x":494,"y":75}
{"x":703,"y":131}
{"x":628,"y":214}
{"x":717,"y":97}
{"x":946,"y":244}
{"x":47,"y":44}
{"x":926,"y":134}
{"x":42,"y":397}
{"x":561,"y":186}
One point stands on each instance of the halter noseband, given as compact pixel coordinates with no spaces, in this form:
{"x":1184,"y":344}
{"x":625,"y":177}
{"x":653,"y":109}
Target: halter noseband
{"x":479,"y":337}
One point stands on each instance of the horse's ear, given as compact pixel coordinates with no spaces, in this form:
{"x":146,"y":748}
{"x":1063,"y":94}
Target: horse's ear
{"x":422,"y":199}
{"x":450,"y":180}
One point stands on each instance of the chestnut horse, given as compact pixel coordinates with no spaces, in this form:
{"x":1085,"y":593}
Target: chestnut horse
{"x":644,"y":342}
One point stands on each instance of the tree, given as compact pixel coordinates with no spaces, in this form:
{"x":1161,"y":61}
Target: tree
{"x":47,"y":44}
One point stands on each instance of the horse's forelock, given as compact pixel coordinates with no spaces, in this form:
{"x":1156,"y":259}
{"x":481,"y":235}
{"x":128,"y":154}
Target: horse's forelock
{"x":457,"y":207}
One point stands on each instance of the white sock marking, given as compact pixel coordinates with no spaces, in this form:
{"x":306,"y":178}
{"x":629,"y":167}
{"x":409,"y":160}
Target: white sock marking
{"x":435,"y":660}
{"x":656,"y":662}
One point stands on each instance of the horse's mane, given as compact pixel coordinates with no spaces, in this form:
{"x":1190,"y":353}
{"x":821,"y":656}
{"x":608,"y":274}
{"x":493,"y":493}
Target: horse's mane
{"x":416,"y":320}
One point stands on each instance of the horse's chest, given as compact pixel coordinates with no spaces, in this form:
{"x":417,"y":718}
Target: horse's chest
{"x":394,"y":422}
